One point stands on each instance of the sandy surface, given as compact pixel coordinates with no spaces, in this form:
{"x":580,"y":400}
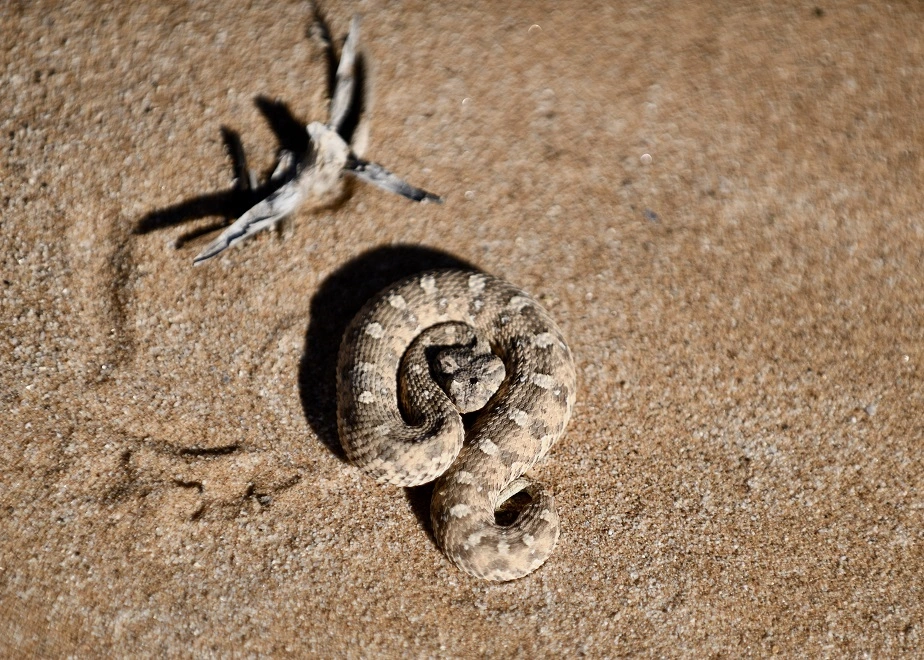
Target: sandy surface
{"x":721,"y":206}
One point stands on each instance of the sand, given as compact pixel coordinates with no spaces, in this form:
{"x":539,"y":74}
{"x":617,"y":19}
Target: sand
{"x":720,"y":204}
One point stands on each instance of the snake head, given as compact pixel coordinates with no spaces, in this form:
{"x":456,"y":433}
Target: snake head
{"x":469,"y":376}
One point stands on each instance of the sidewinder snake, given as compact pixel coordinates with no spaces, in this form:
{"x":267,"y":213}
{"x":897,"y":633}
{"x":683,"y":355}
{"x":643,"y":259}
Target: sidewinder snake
{"x":403,"y":427}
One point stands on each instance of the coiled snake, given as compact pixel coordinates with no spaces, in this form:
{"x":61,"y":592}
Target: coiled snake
{"x":429,"y":349}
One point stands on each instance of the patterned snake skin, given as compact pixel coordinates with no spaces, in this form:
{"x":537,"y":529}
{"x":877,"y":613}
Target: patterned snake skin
{"x":398,"y":423}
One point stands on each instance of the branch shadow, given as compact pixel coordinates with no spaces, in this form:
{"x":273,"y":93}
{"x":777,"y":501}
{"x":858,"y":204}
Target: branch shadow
{"x":291,"y":136}
{"x":231,"y":204}
{"x":335,"y":304}
{"x":289,"y":131}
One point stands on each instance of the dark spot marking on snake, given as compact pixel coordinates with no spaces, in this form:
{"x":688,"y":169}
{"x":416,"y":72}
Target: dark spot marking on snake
{"x":537,"y":427}
{"x":562,"y":396}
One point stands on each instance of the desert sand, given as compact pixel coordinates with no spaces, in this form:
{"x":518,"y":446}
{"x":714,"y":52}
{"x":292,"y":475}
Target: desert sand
{"x":720,"y":203}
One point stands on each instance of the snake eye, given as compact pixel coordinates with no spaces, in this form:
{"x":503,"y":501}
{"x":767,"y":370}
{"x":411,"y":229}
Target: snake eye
{"x":473,"y":381}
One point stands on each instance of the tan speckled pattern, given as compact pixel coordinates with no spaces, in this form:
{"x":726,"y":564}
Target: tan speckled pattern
{"x":519,"y":425}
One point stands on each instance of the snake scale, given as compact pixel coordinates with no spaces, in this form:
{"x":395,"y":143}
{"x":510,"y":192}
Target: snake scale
{"x":425,"y":351}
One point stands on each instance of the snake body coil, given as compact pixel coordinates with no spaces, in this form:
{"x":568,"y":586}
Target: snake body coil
{"x":400,"y":425}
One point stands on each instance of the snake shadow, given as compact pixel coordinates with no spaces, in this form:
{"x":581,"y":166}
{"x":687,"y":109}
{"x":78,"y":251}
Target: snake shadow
{"x":340,"y":296}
